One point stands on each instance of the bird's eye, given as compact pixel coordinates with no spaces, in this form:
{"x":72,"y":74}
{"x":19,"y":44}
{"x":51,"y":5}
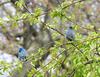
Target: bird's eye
{"x":19,"y":50}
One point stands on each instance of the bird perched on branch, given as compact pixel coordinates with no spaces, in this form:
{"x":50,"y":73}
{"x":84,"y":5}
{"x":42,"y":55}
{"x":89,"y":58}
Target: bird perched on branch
{"x":70,"y":34}
{"x":22,"y":54}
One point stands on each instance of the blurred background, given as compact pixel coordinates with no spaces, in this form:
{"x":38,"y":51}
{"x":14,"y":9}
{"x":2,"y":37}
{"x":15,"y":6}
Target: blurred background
{"x":39,"y":26}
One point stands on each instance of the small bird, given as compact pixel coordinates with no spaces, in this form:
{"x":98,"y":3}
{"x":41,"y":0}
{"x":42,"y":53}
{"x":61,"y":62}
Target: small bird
{"x":22,"y":54}
{"x":70,"y":34}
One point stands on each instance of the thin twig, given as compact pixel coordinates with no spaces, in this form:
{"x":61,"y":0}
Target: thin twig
{"x":72,"y":4}
{"x":56,"y":30}
{"x":91,"y":61}
{"x":26,"y":9}
{"x":80,"y":51}
{"x":50,"y":61}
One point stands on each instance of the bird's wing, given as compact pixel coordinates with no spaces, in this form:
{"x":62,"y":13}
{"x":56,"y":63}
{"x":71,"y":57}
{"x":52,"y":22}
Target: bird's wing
{"x":70,"y":35}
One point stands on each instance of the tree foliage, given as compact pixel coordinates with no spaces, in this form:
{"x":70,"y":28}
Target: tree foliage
{"x":39,"y":26}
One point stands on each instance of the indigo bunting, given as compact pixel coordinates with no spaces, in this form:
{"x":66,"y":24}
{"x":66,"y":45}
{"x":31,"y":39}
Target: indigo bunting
{"x":70,"y":34}
{"x":22,"y":54}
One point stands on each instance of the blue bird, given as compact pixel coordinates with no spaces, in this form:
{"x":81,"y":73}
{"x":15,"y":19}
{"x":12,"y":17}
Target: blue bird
{"x":22,"y":54}
{"x":70,"y":34}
